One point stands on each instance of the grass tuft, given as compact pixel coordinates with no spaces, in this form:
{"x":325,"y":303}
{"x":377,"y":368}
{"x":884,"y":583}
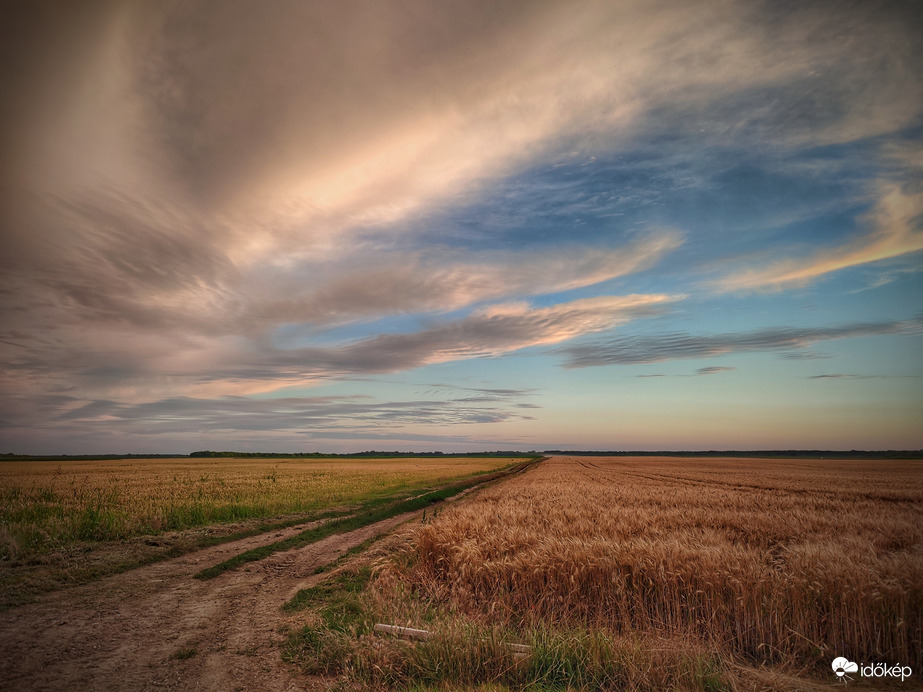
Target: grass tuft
{"x":185,"y":653}
{"x":335,"y":589}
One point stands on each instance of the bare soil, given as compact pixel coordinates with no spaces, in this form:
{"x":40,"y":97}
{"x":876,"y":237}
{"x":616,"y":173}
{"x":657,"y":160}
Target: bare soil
{"x":23,"y":581}
{"x":158,"y":628}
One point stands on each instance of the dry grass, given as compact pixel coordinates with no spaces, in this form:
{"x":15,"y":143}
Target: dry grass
{"x":787,"y":562}
{"x":46,"y":506}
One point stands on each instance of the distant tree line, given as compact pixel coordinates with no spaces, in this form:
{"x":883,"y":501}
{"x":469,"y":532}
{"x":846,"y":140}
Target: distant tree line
{"x":208,"y":454}
{"x":10,"y":456}
{"x":372,"y":454}
{"x":768,"y":453}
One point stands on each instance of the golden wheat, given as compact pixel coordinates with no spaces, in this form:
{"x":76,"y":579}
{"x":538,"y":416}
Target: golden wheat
{"x":778,"y":560}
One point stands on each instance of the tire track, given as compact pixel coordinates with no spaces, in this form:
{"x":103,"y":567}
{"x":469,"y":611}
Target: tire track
{"x":157,"y":628}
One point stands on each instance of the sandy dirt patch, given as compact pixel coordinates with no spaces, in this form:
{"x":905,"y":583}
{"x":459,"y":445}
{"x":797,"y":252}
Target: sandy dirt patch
{"x":158,"y":628}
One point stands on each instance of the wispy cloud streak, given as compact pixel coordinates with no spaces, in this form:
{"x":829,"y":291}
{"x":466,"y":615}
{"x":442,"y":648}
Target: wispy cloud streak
{"x":443,"y":282}
{"x":637,"y":350}
{"x":493,"y":331}
{"x":897,"y":231}
{"x":713,"y":370}
{"x":298,"y":420}
{"x":156,"y":366}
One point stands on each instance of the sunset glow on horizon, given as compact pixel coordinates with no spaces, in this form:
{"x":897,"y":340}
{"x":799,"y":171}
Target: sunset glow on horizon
{"x":461,"y":226}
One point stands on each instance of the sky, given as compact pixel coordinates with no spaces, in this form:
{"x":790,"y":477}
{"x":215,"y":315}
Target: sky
{"x":460,"y":225}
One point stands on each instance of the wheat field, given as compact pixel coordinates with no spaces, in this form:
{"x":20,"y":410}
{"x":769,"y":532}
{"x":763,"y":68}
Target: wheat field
{"x":768,"y":561}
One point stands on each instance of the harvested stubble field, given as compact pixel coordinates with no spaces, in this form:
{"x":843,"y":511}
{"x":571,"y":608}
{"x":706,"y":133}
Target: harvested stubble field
{"x":653,"y":573}
{"x":48,"y":505}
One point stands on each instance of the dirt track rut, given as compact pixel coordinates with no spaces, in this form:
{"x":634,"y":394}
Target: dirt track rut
{"x":158,"y":628}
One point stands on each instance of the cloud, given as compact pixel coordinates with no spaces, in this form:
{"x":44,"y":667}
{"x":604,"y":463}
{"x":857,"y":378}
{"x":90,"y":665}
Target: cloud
{"x":636,"y":350}
{"x":805,"y":354}
{"x":202,"y":199}
{"x":431,"y":281}
{"x":895,"y":221}
{"x":186,"y":414}
{"x":148,"y":190}
{"x":713,"y":370}
{"x":365,"y":115}
{"x":887,"y":276}
{"x":491,"y":331}
{"x":155,"y":269}
{"x":139,"y":366}
{"x":417,"y":106}
{"x":845,"y":376}
{"x":487,"y":391}
{"x":198,"y":422}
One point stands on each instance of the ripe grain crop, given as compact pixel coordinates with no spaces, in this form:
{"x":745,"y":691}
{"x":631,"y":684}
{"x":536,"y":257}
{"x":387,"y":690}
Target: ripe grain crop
{"x":46,"y":506}
{"x":770,"y":561}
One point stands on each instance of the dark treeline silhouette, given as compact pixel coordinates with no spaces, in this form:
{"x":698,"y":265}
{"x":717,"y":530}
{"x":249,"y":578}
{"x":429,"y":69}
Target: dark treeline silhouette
{"x":9,"y":456}
{"x":768,"y":453}
{"x":208,"y":454}
{"x":373,"y":454}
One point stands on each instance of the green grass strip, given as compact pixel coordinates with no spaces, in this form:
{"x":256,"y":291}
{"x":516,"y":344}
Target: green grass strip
{"x":209,"y":541}
{"x":344,"y":583}
{"x":350,"y":523}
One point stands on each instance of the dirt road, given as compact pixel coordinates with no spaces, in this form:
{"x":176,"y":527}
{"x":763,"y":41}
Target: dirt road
{"x":157,"y":628}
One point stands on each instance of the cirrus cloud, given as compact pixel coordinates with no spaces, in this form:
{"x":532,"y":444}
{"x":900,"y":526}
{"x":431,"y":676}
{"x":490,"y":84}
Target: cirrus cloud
{"x":638,"y":350}
{"x":897,"y":231}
